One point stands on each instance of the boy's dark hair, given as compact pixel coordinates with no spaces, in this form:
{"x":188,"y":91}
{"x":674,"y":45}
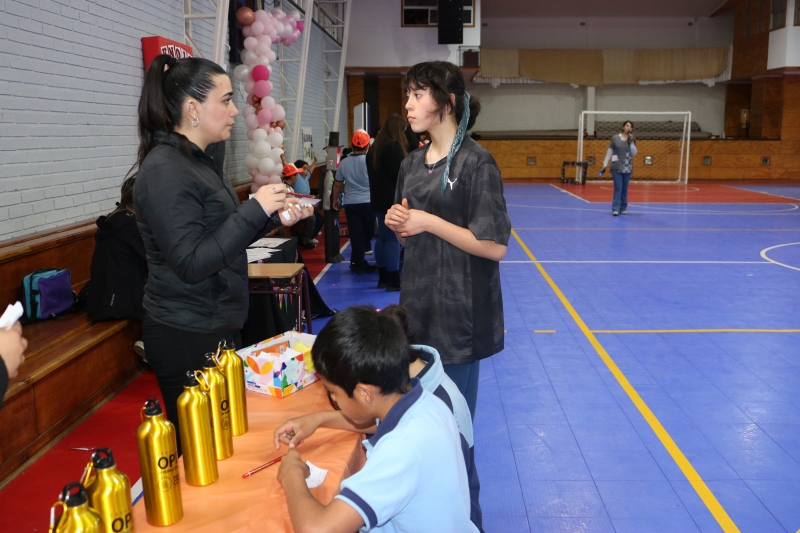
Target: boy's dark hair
{"x":361,"y":345}
{"x":300,"y":163}
{"x":400,"y":315}
{"x":442,"y":79}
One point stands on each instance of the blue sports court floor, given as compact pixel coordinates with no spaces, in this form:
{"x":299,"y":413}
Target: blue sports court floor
{"x":651,"y":376}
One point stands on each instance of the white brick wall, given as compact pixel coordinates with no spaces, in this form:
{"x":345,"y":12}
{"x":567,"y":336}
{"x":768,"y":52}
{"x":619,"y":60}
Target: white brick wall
{"x":70,"y":80}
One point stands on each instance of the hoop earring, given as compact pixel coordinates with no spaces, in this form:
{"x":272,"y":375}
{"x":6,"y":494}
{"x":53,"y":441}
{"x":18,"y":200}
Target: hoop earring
{"x":195,"y":122}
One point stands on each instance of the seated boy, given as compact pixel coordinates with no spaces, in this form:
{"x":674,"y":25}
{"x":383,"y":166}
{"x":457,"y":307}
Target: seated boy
{"x":425,"y":365}
{"x":414,"y":479}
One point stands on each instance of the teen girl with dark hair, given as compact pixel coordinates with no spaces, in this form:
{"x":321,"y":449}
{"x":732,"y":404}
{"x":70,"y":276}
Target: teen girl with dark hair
{"x":385,"y":156}
{"x":620,"y":153}
{"x":194,"y":228}
{"x":451,"y":216}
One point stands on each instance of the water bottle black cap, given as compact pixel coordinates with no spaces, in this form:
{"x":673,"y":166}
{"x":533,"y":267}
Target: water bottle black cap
{"x":191,"y":381}
{"x":227,"y":344}
{"x":209,"y":361}
{"x":74,"y":499}
{"x":105,"y":461}
{"x":152,"y":407}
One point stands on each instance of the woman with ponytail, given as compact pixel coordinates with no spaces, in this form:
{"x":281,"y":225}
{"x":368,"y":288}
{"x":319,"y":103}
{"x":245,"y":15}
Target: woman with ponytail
{"x":194,"y":228}
{"x":450,"y":215}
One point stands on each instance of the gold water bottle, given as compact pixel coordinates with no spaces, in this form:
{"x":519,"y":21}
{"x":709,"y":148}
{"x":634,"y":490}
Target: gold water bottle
{"x":76,"y":515}
{"x":194,"y":419}
{"x":233,"y":368}
{"x":158,"y":458}
{"x":215,"y":385}
{"x":109,"y":492}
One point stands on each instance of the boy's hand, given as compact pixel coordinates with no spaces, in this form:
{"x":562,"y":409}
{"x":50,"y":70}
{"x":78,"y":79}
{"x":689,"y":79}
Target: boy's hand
{"x":294,"y":431}
{"x":292,"y":465}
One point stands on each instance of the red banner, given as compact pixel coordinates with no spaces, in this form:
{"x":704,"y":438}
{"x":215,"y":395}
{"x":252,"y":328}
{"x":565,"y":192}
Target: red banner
{"x":155,"y":46}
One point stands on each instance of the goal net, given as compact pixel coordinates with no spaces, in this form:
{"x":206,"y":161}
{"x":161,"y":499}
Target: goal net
{"x":662,"y":141}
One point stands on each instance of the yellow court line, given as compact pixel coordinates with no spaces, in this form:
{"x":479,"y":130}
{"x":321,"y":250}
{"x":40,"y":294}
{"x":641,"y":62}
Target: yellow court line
{"x":723,"y":330}
{"x":680,"y":459}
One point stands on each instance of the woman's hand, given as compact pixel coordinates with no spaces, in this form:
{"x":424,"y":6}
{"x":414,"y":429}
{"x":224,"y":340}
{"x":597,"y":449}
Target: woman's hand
{"x":271,"y":197}
{"x":294,"y":211}
{"x":397,"y":215}
{"x":417,"y":222}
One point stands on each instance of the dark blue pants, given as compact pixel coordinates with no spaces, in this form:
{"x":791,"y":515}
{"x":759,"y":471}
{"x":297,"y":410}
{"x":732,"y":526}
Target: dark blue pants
{"x":621,"y":180}
{"x":387,"y":247}
{"x":360,"y":226}
{"x":466,"y":379}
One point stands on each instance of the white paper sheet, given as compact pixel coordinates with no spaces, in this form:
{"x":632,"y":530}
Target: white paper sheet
{"x":11,"y":315}
{"x":268,"y":242}
{"x":316,"y":477}
{"x":254,"y":254}
{"x":309,"y":201}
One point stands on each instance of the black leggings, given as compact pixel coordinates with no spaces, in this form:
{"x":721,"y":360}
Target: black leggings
{"x":172,"y":352}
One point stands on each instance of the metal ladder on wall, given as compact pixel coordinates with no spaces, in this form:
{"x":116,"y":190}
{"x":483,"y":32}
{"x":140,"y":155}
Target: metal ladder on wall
{"x":220,"y":17}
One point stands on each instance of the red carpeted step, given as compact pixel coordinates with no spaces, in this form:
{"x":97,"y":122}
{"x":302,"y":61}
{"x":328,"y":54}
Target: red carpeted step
{"x":25,"y":502}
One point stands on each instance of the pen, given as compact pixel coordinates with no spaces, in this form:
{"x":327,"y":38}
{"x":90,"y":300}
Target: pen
{"x":262,"y":467}
{"x":297,"y":195}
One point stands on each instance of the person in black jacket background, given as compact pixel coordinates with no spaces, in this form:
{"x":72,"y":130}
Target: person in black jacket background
{"x":195,"y":230}
{"x":385,"y":156}
{"x":119,"y":263}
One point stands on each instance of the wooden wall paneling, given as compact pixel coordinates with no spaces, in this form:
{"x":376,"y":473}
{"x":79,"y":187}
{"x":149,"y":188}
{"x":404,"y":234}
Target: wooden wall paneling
{"x":389,"y":94}
{"x":757,"y":108}
{"x":737,"y":97}
{"x":750,"y":53}
{"x":355,"y":96}
{"x":790,"y":123}
{"x":773,"y":105}
{"x":16,"y":420}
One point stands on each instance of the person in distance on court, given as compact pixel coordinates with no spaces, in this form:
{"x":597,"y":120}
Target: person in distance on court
{"x":620,"y":152}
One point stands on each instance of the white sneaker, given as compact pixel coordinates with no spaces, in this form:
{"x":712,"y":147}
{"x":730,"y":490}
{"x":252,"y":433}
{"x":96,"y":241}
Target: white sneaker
{"x":314,"y":241}
{"x":138,"y":349}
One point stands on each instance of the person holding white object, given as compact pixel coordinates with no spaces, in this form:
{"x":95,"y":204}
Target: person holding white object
{"x":12,"y":351}
{"x":620,"y":153}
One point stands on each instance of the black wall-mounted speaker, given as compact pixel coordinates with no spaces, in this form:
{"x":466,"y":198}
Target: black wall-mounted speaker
{"x":451,"y":21}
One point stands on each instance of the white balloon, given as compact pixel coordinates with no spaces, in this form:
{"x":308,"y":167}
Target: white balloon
{"x":266,"y":166}
{"x":275,"y":179}
{"x":251,"y":161}
{"x":277,"y":13}
{"x":287,"y":31}
{"x":249,"y":57}
{"x":275,"y":155}
{"x":249,"y":110}
{"x":251,"y":146}
{"x":278,"y":28}
{"x":260,"y":135}
{"x":278,"y":113}
{"x":275,"y":139}
{"x":295,"y":14}
{"x":263,"y":60}
{"x":241,"y":73}
{"x":268,"y":102}
{"x":250,"y":42}
{"x":272,"y":56}
{"x":262,"y":149}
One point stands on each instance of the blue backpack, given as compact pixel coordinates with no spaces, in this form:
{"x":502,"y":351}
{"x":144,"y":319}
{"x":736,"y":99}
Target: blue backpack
{"x":47,"y":293}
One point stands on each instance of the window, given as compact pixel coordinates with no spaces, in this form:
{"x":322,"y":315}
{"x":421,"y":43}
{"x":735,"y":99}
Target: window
{"x":426,"y":13}
{"x":760,"y":25}
{"x":777,"y":18}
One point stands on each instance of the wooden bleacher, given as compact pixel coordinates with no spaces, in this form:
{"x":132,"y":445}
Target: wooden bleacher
{"x":72,"y":363}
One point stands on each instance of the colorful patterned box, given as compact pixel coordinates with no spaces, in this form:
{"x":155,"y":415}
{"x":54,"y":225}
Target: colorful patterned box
{"x":279,"y":366}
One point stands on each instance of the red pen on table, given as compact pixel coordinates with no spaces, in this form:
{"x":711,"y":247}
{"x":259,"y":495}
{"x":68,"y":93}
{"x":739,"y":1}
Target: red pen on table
{"x":262,"y":467}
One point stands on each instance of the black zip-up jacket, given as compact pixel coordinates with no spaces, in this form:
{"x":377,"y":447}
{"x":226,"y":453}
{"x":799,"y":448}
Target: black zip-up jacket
{"x":119,"y":269}
{"x":195,"y":232}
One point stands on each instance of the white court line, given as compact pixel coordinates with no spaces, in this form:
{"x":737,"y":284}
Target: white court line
{"x":765,"y":250}
{"x":673,"y":213}
{"x":656,"y":262}
{"x":708,"y":211}
{"x":566,"y":191}
{"x":324,"y":270}
{"x":761,"y":192}
{"x":692,"y":189}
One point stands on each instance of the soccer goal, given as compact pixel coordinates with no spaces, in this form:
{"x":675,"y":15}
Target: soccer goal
{"x":662,"y":140}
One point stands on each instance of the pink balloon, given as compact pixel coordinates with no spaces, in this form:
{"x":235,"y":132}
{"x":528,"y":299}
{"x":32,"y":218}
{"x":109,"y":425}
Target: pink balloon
{"x":261,"y":89}
{"x":250,"y":134}
{"x":270,"y":130}
{"x":248,"y":86}
{"x":274,"y":179}
{"x":252,"y":172}
{"x":250,"y":43}
{"x":246,"y":31}
{"x":296,"y":34}
{"x":257,"y":27}
{"x":268,"y":102}
{"x":272,"y":56}
{"x":300,"y":25}
{"x":262,"y":49}
{"x":264,"y":116}
{"x":250,"y":99}
{"x":261,"y":179}
{"x":252,"y":122}
{"x":278,"y":113}
{"x":262,"y":16}
{"x":249,"y":110}
{"x":254,"y":188}
{"x":259,"y":72}
{"x":279,"y":130}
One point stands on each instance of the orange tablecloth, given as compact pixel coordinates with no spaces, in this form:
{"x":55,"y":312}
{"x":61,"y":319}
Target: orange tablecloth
{"x":258,"y":503}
